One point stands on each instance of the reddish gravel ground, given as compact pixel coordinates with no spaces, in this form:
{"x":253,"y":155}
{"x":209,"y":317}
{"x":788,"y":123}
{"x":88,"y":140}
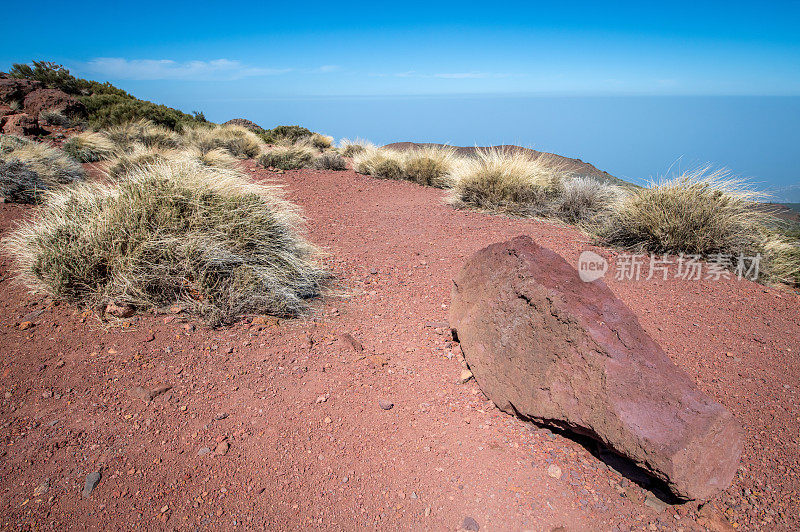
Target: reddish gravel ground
{"x":279,"y":425}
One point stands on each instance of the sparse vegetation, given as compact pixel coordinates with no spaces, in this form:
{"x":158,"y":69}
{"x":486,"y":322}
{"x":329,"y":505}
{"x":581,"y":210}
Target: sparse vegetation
{"x":289,"y":134}
{"x":429,"y":166}
{"x":145,"y":133}
{"x":287,"y":157}
{"x":238,"y":140}
{"x":782,"y":257}
{"x":56,"y":118}
{"x":699,"y":212}
{"x":350,"y":148}
{"x":330,"y":161}
{"x":106,"y":104}
{"x":379,"y":162}
{"x":321,"y":142}
{"x":28,"y":169}
{"x":171,"y":232}
{"x":507,"y":181}
{"x":584,"y":199}
{"x":90,"y":147}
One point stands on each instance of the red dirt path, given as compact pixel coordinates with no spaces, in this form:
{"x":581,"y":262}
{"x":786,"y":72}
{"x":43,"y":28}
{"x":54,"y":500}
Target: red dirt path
{"x":442,"y":453}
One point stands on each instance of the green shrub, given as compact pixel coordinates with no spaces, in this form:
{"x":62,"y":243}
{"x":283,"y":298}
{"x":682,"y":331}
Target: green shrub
{"x":289,"y":134}
{"x":287,"y":157}
{"x":330,"y":161}
{"x":171,"y":232}
{"x":28,"y":169}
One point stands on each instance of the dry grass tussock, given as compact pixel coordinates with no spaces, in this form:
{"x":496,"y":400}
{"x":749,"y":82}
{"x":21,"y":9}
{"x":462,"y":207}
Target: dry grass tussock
{"x":430,"y":165}
{"x":287,"y":157}
{"x":782,"y":257}
{"x":140,"y":156}
{"x":586,"y":201}
{"x":330,"y":161}
{"x":28,"y":169}
{"x":143,"y":132}
{"x":350,"y":148}
{"x":238,"y":140}
{"x":701,"y":212}
{"x":171,"y":232}
{"x":90,"y":147}
{"x":379,"y":162}
{"x":321,"y":142}
{"x":508,"y":181}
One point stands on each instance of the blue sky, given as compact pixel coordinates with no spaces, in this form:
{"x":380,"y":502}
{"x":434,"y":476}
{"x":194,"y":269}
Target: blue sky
{"x":354,"y":48}
{"x":355,"y":69}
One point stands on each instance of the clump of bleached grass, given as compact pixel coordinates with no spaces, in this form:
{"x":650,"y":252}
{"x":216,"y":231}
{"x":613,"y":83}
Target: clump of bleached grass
{"x":90,"y":147}
{"x":350,"y":148}
{"x":429,"y":165}
{"x":703,"y":211}
{"x":143,"y":132}
{"x":379,"y":162}
{"x":28,"y":169}
{"x":330,"y":161}
{"x":584,"y":200}
{"x":287,"y":157}
{"x":238,"y":140}
{"x":320,"y":141}
{"x":171,"y":231}
{"x":507,"y":181}
{"x":782,"y":257}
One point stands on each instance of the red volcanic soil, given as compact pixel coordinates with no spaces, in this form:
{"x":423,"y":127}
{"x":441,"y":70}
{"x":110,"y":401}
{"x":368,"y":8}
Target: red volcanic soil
{"x":278,"y":426}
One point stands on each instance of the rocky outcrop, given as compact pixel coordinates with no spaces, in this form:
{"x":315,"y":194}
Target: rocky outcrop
{"x":53,"y":100}
{"x":20,"y":125}
{"x":551,"y":348}
{"x":15,"y":90}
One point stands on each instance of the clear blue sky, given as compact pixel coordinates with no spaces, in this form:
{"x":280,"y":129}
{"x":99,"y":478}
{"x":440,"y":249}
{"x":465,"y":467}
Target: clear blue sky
{"x":357,"y":48}
{"x":260,"y":59}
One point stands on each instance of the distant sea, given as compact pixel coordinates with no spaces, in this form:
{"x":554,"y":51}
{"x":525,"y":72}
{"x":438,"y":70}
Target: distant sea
{"x":634,"y":138}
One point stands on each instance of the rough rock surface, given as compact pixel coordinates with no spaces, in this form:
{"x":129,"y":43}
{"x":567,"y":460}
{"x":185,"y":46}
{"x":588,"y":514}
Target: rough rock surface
{"x":15,"y":90}
{"x":20,"y":125}
{"x":551,"y":348}
{"x":53,"y":99}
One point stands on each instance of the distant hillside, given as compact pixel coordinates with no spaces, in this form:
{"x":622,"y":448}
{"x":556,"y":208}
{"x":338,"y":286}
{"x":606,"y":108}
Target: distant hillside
{"x":576,"y":165}
{"x":786,"y":211}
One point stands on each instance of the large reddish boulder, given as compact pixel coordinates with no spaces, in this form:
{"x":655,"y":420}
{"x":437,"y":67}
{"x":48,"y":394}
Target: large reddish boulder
{"x":53,"y":99}
{"x":20,"y":125}
{"x":15,"y":90}
{"x":551,"y":348}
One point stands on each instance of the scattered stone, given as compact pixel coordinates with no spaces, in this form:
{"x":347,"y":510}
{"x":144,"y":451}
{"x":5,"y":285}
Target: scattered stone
{"x":465,"y":376}
{"x":554,"y":471}
{"x":42,"y":488}
{"x":271,"y":321}
{"x":25,"y":325}
{"x":30,"y":316}
{"x":321,"y":399}
{"x":148,"y":395}
{"x":376,"y":361}
{"x":189,"y":327}
{"x":711,"y":518}
{"x":351,"y":342}
{"x":151,"y":335}
{"x":385,"y":405}
{"x":203,"y":451}
{"x":651,"y":501}
{"x":92,"y":479}
{"x":21,"y":125}
{"x":549,"y":347}
{"x":220,"y":416}
{"x":120,"y":310}
{"x":222,"y":448}
{"x":470,"y":524}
